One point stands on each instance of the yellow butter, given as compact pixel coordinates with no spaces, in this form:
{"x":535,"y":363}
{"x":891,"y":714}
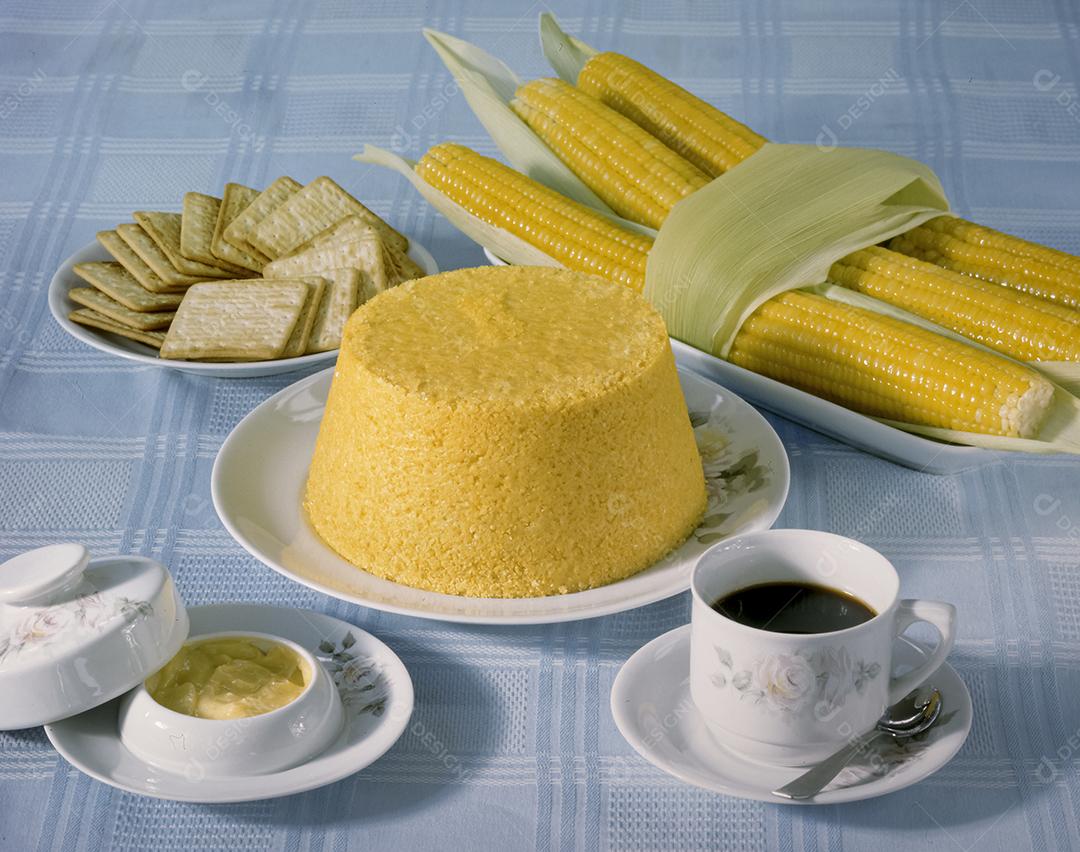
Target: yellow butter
{"x":229,"y":678}
{"x":505,"y":432}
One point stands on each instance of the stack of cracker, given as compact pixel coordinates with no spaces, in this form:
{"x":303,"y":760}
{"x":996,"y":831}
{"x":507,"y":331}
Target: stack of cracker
{"x":250,"y":276}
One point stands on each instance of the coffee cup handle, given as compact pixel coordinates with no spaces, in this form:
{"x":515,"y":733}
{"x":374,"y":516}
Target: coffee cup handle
{"x":940,"y":615}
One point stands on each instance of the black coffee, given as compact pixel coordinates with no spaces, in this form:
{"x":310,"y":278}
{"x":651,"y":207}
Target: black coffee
{"x":787,"y":607}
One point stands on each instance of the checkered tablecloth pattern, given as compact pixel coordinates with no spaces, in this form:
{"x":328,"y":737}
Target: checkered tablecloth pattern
{"x":111,"y":105}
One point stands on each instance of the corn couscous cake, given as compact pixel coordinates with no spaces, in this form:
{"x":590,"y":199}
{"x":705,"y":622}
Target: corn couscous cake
{"x":505,"y":432}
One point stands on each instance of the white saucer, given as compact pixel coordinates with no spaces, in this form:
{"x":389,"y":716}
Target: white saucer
{"x":653,"y":710}
{"x":260,"y":471}
{"x":374,"y":718}
{"x":60,"y":306}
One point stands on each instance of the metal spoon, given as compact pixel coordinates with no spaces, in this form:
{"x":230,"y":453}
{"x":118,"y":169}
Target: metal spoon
{"x":914,"y":713}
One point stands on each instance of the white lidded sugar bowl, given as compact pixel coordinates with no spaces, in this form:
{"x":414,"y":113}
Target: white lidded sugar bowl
{"x":77,"y":632}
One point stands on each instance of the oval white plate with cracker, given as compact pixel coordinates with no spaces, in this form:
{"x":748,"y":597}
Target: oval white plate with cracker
{"x":60,"y":305}
{"x":258,"y":483}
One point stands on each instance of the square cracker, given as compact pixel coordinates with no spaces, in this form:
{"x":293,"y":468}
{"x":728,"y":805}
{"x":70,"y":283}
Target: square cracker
{"x":398,"y":265}
{"x":316,"y":207}
{"x":238,"y":231}
{"x":117,"y":283}
{"x":251,"y":319}
{"x":407,"y":268}
{"x":88,"y":297}
{"x":360,"y":249}
{"x":234,"y":200}
{"x":341,"y":298}
{"x":197,"y":224}
{"x":351,"y":229}
{"x":164,"y":230}
{"x":135,"y":265}
{"x":298,"y":343}
{"x":154,"y":258}
{"x":92,"y":319}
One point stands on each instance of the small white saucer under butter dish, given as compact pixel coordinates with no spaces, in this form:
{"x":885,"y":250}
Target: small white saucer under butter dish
{"x":376,"y":693}
{"x":81,"y":642}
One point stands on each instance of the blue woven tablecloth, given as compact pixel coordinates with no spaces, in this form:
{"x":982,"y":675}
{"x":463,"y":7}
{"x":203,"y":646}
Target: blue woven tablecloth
{"x":106,"y":107}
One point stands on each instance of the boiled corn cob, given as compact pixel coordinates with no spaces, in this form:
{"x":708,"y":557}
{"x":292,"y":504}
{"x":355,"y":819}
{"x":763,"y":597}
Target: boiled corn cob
{"x":708,"y":138}
{"x":888,"y":368}
{"x":714,"y":142}
{"x":975,"y":234}
{"x":1018,"y":325}
{"x":574,"y":235}
{"x":975,"y":250}
{"x":634,"y":173}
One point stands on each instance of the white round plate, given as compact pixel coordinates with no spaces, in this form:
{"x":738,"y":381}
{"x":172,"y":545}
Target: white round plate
{"x":651,"y":703}
{"x":260,"y":471}
{"x":60,"y":306}
{"x":374,"y":718}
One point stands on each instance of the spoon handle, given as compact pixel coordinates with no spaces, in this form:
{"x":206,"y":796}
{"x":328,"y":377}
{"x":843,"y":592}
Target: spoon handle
{"x":813,"y":781}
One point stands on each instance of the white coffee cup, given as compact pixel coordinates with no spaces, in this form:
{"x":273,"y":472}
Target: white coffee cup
{"x":793,"y":699}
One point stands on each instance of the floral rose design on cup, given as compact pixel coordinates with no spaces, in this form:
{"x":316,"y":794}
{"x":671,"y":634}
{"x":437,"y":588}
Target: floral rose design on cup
{"x":359,"y":680}
{"x":793,"y":682}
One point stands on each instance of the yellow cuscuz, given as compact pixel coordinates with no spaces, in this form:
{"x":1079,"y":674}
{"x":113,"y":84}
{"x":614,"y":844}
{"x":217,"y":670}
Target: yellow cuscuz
{"x":505,"y":432}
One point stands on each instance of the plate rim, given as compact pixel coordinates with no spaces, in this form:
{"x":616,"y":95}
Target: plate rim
{"x":64,"y":279}
{"x":402,"y":723}
{"x":845,"y":795}
{"x":615,"y":606}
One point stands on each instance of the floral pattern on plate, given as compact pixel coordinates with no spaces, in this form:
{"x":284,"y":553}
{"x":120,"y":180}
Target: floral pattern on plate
{"x":359,"y":680}
{"x":87,"y":613}
{"x":729,"y":473}
{"x":791,"y":683}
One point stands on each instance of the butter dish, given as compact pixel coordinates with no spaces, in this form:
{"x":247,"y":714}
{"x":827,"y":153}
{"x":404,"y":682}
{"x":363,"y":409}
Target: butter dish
{"x":265,"y":742}
{"x":84,"y":648}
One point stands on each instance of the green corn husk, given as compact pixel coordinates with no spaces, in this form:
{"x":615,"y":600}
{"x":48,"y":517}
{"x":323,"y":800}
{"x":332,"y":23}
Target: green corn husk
{"x":565,"y":54}
{"x":776,"y":222}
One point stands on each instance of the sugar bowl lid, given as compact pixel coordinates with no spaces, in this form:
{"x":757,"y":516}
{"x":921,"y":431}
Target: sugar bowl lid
{"x":76,"y":632}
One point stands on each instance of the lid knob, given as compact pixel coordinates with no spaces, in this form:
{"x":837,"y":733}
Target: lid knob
{"x":32,"y":575}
